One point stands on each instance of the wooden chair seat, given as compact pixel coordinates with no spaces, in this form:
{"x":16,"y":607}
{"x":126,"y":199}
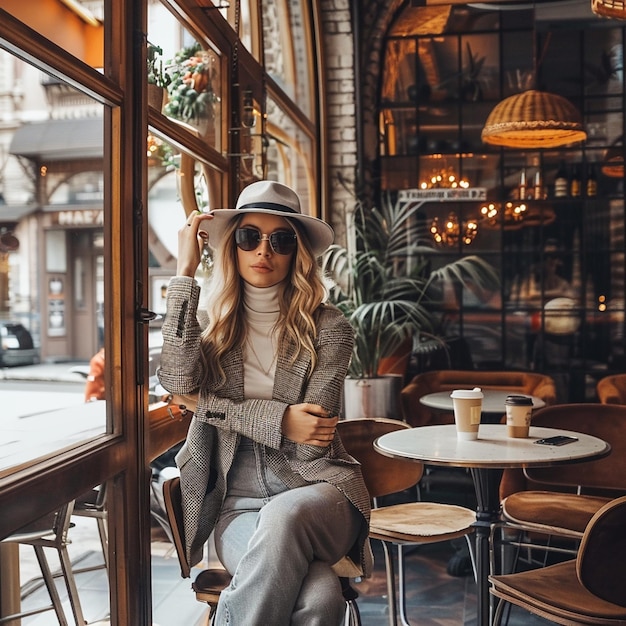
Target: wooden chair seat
{"x":209,"y":583}
{"x":555,"y":593}
{"x":587,"y":590}
{"x":421,"y":522}
{"x":566,"y":514}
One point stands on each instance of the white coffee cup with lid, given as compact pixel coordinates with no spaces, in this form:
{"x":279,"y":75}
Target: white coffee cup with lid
{"x":468,"y":404}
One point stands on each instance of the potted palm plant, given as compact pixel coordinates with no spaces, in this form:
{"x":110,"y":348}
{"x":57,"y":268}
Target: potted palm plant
{"x":385,"y":283}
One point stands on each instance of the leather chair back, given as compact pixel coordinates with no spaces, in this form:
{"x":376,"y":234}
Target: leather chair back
{"x":605,"y":421}
{"x":601,"y":477}
{"x":612,"y":389}
{"x":382,"y":475}
{"x":601,"y":561}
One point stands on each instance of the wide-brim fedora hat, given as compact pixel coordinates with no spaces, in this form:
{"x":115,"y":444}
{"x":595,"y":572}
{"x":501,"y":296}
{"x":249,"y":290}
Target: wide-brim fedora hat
{"x":270,"y":197}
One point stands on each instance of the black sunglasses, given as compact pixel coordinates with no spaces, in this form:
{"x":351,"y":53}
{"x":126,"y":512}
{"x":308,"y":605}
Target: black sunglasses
{"x":248,"y":238}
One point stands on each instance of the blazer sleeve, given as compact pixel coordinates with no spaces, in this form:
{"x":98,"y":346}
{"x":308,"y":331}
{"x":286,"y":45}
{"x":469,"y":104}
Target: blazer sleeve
{"x":334,"y":350}
{"x":325,"y":386}
{"x":179,"y":371}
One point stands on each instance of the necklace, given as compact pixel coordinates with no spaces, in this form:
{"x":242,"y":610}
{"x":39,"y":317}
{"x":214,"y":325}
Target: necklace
{"x":258,"y":360}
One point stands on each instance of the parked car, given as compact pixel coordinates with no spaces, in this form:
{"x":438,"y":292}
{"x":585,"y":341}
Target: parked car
{"x":16,"y":345}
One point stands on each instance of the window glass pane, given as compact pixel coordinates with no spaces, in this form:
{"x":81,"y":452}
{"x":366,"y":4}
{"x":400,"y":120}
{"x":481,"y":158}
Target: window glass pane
{"x":239,"y":11}
{"x":287,"y":50}
{"x":188,"y":72}
{"x":289,"y":153}
{"x":51,"y":265}
{"x":177,"y":185}
{"x":77,"y":27}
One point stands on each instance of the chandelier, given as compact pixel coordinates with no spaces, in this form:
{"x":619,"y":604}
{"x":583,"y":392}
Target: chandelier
{"x":445,"y":178}
{"x":513,"y":214}
{"x":452,"y":230}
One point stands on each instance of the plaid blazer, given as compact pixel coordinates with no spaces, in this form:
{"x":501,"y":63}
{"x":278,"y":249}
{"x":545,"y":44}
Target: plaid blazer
{"x":220,"y":420}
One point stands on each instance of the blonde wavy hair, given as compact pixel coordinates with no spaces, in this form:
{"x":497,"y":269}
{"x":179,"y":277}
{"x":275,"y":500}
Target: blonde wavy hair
{"x":299,"y":296}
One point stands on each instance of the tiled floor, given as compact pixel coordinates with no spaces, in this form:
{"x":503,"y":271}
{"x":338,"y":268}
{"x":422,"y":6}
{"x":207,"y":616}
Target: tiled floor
{"x":434,"y":597}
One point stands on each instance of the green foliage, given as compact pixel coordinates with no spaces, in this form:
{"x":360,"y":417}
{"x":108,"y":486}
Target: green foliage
{"x":385,"y":285}
{"x":191,"y":94}
{"x":156,"y":74}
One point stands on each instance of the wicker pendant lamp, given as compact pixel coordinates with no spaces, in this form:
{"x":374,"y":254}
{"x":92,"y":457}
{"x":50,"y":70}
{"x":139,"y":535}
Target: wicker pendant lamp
{"x":609,"y":8}
{"x":534,"y":119}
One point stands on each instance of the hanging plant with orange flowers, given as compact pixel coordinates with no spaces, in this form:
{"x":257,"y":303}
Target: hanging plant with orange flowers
{"x":191,"y":93}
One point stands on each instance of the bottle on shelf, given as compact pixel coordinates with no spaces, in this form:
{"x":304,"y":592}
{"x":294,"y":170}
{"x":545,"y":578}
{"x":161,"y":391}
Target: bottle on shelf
{"x":575,"y":187}
{"x":538,"y":186}
{"x":561,"y":181}
{"x":591,"y":187}
{"x":522,"y":191}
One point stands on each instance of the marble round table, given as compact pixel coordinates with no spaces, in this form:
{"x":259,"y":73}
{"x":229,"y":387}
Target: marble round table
{"x":486,"y":457}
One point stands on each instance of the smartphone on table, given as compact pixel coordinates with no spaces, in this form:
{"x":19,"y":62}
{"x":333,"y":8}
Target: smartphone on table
{"x":557,"y":440}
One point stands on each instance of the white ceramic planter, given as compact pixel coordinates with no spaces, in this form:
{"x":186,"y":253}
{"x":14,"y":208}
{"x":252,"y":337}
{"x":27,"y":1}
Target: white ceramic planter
{"x":372,"y":397}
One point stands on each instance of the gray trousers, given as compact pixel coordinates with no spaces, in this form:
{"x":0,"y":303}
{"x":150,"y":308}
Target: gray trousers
{"x":280,"y":547}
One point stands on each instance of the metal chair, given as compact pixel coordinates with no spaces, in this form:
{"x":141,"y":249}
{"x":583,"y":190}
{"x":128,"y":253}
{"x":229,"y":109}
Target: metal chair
{"x":559,"y":501}
{"x":209,"y":583}
{"x":400,"y":525}
{"x":587,"y":590}
{"x":51,"y":531}
{"x":93,"y":504}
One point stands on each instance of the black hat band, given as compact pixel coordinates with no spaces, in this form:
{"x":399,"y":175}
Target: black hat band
{"x":271,"y":206}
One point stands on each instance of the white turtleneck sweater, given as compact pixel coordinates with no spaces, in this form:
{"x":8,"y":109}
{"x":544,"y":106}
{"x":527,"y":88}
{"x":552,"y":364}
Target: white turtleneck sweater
{"x":261,"y":306}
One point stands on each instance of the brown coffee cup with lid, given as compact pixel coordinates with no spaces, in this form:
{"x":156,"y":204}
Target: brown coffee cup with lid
{"x":518,"y":412}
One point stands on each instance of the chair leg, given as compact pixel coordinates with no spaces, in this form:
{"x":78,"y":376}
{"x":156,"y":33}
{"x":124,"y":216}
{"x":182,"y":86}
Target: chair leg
{"x":104,"y":539}
{"x":402,"y":587}
{"x":391,"y":583}
{"x":49,"y":581}
{"x":497,"y":616}
{"x":353,"y":616}
{"x":72,"y":589}
{"x":470,"y":548}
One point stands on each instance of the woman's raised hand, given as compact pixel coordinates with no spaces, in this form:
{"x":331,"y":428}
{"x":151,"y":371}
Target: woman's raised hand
{"x":191,"y":240}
